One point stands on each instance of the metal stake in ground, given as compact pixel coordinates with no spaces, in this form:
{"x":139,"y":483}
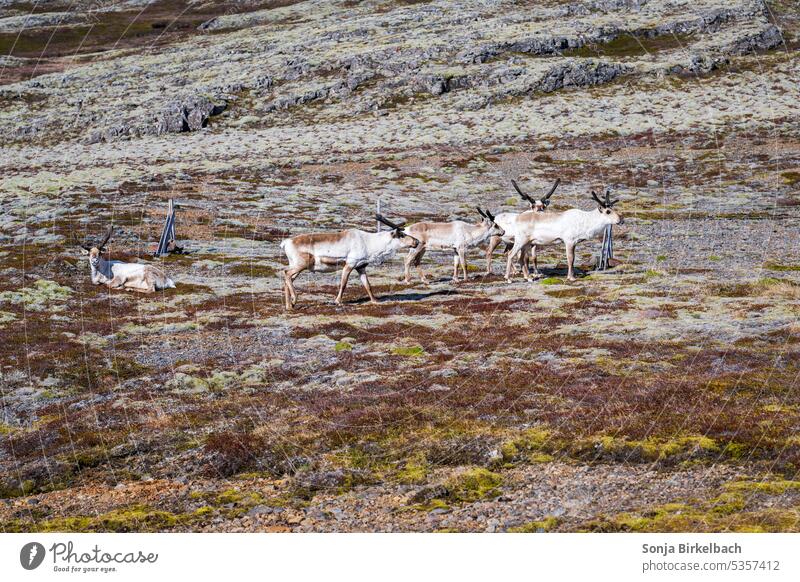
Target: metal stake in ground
{"x":606,"y":251}
{"x":168,"y":242}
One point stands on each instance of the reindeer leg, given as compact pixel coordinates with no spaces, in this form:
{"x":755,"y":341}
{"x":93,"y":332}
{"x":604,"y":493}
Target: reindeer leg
{"x":407,"y":265}
{"x":493,"y":243}
{"x":518,"y":267}
{"x":345,"y":276}
{"x":536,"y":272}
{"x":455,"y":266}
{"x":289,"y":275}
{"x":116,"y":283}
{"x":414,"y":258}
{"x":515,"y":250}
{"x":287,"y":298}
{"x":570,"y":261}
{"x":524,"y":263}
{"x":462,"y":258}
{"x":418,"y":263}
{"x":362,"y":273}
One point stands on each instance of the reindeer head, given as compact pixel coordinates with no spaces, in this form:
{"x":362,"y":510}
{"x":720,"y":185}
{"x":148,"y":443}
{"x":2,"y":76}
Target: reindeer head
{"x":493,"y":228}
{"x":541,"y":204}
{"x":96,"y":251}
{"x":399,"y":237}
{"x":605,"y":208}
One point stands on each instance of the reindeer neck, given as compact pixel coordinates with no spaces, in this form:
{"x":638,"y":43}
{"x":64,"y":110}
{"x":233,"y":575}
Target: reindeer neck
{"x":103,"y":267}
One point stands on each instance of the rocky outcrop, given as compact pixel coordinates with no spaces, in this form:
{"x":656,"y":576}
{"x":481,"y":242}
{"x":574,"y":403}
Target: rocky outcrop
{"x":769,"y":38}
{"x":190,"y":114}
{"x":580,"y":74}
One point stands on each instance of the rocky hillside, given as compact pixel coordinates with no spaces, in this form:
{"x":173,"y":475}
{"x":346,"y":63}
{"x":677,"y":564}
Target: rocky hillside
{"x":660,"y":395}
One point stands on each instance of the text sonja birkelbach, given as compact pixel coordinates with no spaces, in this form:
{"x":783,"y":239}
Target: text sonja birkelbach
{"x":691,"y":548}
{"x":67,"y":558}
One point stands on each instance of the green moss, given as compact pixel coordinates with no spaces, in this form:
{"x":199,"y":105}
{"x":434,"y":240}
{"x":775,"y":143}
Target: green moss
{"x":550,"y":281}
{"x":661,"y":258}
{"x":42,"y":295}
{"x":415,"y":470}
{"x":343,"y":346}
{"x":714,"y":258}
{"x":88,"y":458}
{"x":473,"y":485}
{"x":252,"y":270}
{"x":6,"y":429}
{"x":726,"y":512}
{"x":778,"y":487}
{"x":6,"y":317}
{"x":770,"y":266}
{"x":627,"y":45}
{"x":136,"y":518}
{"x":408,"y":351}
{"x":541,"y":526}
{"x":652,"y":449}
{"x":791,"y":178}
{"x":431,"y":505}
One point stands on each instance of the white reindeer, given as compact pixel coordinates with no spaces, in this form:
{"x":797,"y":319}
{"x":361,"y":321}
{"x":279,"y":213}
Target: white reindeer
{"x":457,"y":236}
{"x":508,"y":221}
{"x":571,"y":227}
{"x":119,"y":275}
{"x":353,"y":249}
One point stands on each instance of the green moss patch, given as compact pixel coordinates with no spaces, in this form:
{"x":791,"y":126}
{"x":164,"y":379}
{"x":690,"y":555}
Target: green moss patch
{"x":474,"y":485}
{"x":408,"y":351}
{"x":41,"y":296}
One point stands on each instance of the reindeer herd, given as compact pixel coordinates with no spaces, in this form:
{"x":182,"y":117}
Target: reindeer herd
{"x":355,"y":249}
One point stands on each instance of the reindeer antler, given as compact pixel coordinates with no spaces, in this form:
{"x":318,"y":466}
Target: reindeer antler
{"x":596,"y":199}
{"x":478,"y":208}
{"x":388,"y":222}
{"x":489,"y":215}
{"x":553,"y":189}
{"x":520,"y":192}
{"x":103,"y":242}
{"x":77,"y":242}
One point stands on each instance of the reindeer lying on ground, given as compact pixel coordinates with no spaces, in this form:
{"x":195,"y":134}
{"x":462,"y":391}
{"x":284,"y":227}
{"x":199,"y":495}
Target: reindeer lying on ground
{"x":571,"y":227}
{"x":456,"y":235}
{"x":508,"y":221}
{"x":353,"y":249}
{"x":119,"y":275}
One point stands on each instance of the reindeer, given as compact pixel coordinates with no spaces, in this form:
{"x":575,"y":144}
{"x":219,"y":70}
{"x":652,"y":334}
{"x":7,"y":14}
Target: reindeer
{"x":456,"y":235}
{"x":571,"y":227}
{"x":353,"y":249}
{"x":119,"y":275}
{"x":508,"y":221}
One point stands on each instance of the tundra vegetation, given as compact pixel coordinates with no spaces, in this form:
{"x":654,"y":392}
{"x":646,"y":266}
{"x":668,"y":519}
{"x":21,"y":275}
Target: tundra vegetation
{"x":661,"y":395}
